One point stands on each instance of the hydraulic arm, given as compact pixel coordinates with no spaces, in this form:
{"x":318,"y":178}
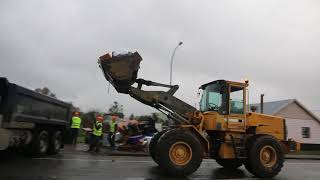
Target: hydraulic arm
{"x":122,"y":72}
{"x":165,"y":102}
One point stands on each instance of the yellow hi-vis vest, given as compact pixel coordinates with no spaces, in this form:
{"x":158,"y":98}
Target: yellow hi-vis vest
{"x":112,"y":126}
{"x":76,"y":122}
{"x":97,"y":132}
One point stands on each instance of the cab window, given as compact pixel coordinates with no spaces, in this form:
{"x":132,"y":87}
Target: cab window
{"x":214,"y":98}
{"x":236,"y":100}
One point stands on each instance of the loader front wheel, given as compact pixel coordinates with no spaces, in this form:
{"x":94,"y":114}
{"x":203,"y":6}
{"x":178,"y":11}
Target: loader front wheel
{"x":229,"y":163}
{"x":181,"y":152}
{"x":153,"y":145}
{"x":265,"y":157}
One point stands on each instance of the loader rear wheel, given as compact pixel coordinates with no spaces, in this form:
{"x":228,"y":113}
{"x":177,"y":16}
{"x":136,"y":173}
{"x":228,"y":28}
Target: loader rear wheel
{"x":181,"y":152}
{"x":229,"y":163}
{"x":265,"y":157}
{"x":153,"y":145}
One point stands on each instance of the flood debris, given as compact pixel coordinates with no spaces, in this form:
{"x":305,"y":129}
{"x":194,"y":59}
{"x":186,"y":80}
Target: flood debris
{"x":120,"y":69}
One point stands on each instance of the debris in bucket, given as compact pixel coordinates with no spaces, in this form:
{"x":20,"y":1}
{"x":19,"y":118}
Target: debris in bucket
{"x":121,"y":53}
{"x":120,"y":69}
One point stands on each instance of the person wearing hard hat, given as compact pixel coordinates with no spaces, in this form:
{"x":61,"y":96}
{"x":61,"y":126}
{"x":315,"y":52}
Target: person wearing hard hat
{"x":96,"y":135}
{"x":112,"y":131}
{"x":75,"y":126}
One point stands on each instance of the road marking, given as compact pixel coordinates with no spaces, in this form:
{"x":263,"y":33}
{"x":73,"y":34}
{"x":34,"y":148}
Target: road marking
{"x":207,"y":161}
{"x":91,"y":160}
{"x":239,"y":178}
{"x":191,"y":178}
{"x":309,"y":163}
{"x":57,"y":159}
{"x":123,"y":161}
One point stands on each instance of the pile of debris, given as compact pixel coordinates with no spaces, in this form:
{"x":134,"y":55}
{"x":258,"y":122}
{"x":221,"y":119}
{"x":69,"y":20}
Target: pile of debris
{"x":134,"y":136}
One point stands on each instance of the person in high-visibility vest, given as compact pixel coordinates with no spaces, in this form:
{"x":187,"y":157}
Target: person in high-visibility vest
{"x":75,"y":126}
{"x":113,"y":127}
{"x":96,"y":135}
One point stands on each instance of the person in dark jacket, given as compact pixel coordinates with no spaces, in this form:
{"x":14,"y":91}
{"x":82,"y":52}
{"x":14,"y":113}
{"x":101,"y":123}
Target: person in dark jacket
{"x":96,"y":135}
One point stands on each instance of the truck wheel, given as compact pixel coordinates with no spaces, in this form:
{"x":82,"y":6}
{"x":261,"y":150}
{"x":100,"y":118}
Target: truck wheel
{"x":55,"y":143}
{"x":180,"y":152}
{"x":41,"y":143}
{"x":229,"y":163}
{"x":265,"y":157}
{"x":153,"y":144}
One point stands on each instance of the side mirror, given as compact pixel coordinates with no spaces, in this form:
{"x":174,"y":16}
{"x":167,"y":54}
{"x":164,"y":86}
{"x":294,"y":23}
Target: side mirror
{"x":198,"y":93}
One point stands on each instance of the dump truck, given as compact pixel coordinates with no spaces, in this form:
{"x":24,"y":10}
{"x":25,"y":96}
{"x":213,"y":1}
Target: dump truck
{"x":31,"y":122}
{"x":223,"y":128}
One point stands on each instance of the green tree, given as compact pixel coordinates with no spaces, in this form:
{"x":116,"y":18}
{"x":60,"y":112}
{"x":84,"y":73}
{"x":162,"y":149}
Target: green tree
{"x":131,"y":117}
{"x":88,"y":119}
{"x":155,"y":117}
{"x":116,"y":109}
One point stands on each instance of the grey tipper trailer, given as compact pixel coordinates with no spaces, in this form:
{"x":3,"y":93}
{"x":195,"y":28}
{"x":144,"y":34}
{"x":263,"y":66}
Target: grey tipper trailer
{"x":30,"y":121}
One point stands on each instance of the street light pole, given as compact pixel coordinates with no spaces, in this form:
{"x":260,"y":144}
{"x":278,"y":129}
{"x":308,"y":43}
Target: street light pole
{"x":174,"y":51}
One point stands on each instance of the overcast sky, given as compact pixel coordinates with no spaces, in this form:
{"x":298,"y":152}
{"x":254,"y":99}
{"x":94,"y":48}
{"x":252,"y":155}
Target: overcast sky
{"x":273,"y":43}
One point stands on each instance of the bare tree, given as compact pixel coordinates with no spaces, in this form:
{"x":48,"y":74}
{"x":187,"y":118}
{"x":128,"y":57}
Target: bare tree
{"x":46,"y":91}
{"x":116,"y":109}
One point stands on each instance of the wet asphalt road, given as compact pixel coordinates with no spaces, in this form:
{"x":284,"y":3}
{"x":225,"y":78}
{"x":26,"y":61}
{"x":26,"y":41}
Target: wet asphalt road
{"x":80,"y":165}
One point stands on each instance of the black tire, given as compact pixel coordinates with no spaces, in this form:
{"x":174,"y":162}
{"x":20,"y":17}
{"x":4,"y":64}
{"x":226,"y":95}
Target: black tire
{"x":255,"y":163}
{"x":153,"y":144}
{"x":229,"y":163}
{"x":41,"y":143}
{"x":55,"y":143}
{"x":249,"y":143}
{"x":167,"y":144}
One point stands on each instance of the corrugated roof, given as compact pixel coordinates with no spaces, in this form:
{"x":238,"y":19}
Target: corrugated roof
{"x":273,"y":107}
{"x":317,"y":113}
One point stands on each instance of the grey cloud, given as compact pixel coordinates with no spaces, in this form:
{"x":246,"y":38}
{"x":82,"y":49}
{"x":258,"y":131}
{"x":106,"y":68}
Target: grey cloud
{"x":56,"y":44}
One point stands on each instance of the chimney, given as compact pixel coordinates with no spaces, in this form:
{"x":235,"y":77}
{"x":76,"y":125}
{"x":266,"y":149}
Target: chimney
{"x":261,"y":103}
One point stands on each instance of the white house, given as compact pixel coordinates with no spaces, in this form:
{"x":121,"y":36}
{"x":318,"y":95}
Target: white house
{"x":302,"y":125}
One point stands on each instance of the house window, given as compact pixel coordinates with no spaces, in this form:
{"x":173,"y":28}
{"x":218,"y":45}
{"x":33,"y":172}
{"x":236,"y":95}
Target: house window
{"x":305,"y":132}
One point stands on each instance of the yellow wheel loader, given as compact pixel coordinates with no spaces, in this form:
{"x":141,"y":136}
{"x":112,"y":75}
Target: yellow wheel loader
{"x":222,"y":129}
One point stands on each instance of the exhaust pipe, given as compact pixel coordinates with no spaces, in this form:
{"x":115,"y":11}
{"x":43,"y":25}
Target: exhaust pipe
{"x":261,"y":103}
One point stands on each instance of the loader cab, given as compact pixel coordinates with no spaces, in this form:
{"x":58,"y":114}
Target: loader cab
{"x":224,"y":97}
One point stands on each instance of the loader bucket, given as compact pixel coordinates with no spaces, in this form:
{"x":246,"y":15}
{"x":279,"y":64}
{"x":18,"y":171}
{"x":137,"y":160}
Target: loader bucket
{"x":121,"y":71}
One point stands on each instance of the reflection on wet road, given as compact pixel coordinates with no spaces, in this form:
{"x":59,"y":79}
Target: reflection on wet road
{"x":82,"y":165}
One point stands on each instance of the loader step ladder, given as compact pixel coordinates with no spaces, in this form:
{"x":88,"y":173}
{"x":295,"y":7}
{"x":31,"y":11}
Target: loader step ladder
{"x":239,"y":148}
